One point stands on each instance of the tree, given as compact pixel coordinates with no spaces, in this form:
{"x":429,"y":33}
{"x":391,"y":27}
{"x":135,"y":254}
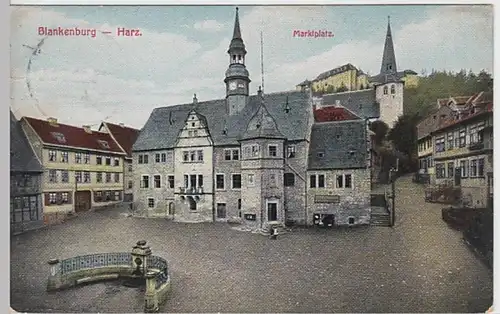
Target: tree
{"x":404,"y":138}
{"x":380,"y":128}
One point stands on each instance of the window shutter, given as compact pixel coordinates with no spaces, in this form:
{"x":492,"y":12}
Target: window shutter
{"x":47,"y":199}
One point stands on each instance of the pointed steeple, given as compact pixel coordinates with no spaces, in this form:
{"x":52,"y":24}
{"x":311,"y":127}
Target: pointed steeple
{"x":389,"y":58}
{"x":237,"y":41}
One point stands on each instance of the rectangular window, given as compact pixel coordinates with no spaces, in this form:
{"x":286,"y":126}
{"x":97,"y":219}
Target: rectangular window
{"x":236,"y":154}
{"x":117,"y":162}
{"x":86,"y":177}
{"x":171,"y":182}
{"x":272,"y":150}
{"x":440,"y":171}
{"x":86,"y":158}
{"x":219,"y":181}
{"x":289,"y":179}
{"x":78,"y":176}
{"x":348,"y":181}
{"x":200,"y":180}
{"x":192,"y":179}
{"x":236,"y":181}
{"x":108,"y":177}
{"x":221,"y":210}
{"x":130,"y":184}
{"x":163,"y":157}
{"x":451,"y":169}
{"x":78,"y":158}
{"x":117,"y":177}
{"x":140,"y":159}
{"x":52,"y":155}
{"x":117,"y":195}
{"x":480,"y":167}
{"x":145,"y":182}
{"x":64,"y":176}
{"x":157,"y":181}
{"x":151,"y":202}
{"x":157,"y":157}
{"x":227,"y":154}
{"x":473,"y":168}
{"x":450,"y":140}
{"x":52,"y":176}
{"x":440,"y":144}
{"x":98,"y":160}
{"x":272,"y":180}
{"x":129,"y":168}
{"x":64,"y":197}
{"x":464,"y":168}
{"x":251,"y":179}
{"x":290,"y":151}
{"x":146,"y":158}
{"x":312,"y":181}
{"x":192,"y":156}
{"x":143,"y":159}
{"x":255,"y":150}
{"x":64,"y":157}
{"x":99,"y":177}
{"x":340,"y":181}
{"x":108,"y":161}
{"x":461,"y":138}
{"x":200,"y":155}
{"x":473,"y":138}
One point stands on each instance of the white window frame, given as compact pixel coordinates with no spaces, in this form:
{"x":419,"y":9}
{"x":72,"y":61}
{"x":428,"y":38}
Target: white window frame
{"x":154,"y":181}
{"x":269,"y":150}
{"x":294,"y":150}
{"x":168,"y":181}
{"x":257,"y":151}
{"x":142,"y":180}
{"x":154,"y":202}
{"x":224,"y":179}
{"x":232,"y":181}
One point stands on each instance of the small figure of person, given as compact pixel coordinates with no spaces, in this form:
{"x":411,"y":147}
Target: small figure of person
{"x":274,"y":233}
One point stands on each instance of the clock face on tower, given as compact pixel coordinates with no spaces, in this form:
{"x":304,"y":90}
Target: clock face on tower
{"x":232,"y":85}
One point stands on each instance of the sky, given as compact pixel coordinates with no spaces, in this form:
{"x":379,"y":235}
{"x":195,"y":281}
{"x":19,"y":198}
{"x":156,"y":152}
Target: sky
{"x":182,"y":50}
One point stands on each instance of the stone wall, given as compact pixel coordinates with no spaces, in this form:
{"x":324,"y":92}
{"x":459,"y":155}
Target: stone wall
{"x":343,"y":203}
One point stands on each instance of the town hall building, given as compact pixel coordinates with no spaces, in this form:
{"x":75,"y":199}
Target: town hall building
{"x":256,"y":159}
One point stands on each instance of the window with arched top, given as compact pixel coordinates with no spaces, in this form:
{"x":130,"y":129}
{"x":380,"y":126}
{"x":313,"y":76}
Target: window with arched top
{"x":171,"y":208}
{"x":393,"y":89}
{"x":385,"y":90}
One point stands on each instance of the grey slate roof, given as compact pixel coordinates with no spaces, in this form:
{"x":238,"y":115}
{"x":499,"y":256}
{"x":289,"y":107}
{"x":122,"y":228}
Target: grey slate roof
{"x":262,"y":125}
{"x":383,"y":78}
{"x":389,"y":57}
{"x":22,"y":157}
{"x":342,"y":143}
{"x":164,"y":123}
{"x":362,"y":103}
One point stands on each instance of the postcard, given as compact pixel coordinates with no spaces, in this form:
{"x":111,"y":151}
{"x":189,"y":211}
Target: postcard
{"x":251,"y":158}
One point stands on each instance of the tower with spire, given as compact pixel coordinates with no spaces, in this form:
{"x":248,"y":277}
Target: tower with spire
{"x":388,"y":66}
{"x":237,"y":78}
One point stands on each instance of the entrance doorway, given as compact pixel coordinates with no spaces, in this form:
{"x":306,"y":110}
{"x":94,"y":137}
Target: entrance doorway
{"x":83,"y":201}
{"x":272,"y":211}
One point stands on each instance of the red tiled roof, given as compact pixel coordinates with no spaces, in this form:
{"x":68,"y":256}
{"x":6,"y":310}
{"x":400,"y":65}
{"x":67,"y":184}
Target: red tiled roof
{"x":331,"y":113}
{"x":125,"y":136}
{"x":73,"y":136}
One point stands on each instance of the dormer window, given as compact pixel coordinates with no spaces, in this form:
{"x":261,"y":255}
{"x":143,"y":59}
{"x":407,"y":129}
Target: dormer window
{"x":104,"y":144}
{"x":59,"y":137}
{"x":393,"y":89}
{"x":385,"y":90}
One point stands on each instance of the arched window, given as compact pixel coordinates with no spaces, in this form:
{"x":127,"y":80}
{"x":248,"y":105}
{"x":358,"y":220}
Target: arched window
{"x":171,"y":208}
{"x":385,"y":90}
{"x":393,"y":89}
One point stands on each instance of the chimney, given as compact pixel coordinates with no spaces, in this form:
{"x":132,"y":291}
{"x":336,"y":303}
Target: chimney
{"x":337,"y":103}
{"x":259,"y":92}
{"x":52,"y":121}
{"x":195,"y":100}
{"x":87,"y":129}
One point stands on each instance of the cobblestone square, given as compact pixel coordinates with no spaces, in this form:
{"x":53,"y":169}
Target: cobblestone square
{"x":420,"y":265}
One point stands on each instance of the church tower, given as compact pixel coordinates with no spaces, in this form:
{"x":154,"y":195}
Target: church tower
{"x":237,"y":77}
{"x":389,"y":58}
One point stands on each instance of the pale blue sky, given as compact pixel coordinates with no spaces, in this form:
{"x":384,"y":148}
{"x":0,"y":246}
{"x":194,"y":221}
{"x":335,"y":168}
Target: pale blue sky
{"x":183,"y":51}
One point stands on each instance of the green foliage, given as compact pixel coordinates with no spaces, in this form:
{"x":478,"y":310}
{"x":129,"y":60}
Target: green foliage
{"x":380,"y":128}
{"x":442,"y":84}
{"x":404,"y":138}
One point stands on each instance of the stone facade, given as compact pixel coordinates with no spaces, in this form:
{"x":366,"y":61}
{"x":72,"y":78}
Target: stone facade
{"x":390,"y":98}
{"x":349,"y":205}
